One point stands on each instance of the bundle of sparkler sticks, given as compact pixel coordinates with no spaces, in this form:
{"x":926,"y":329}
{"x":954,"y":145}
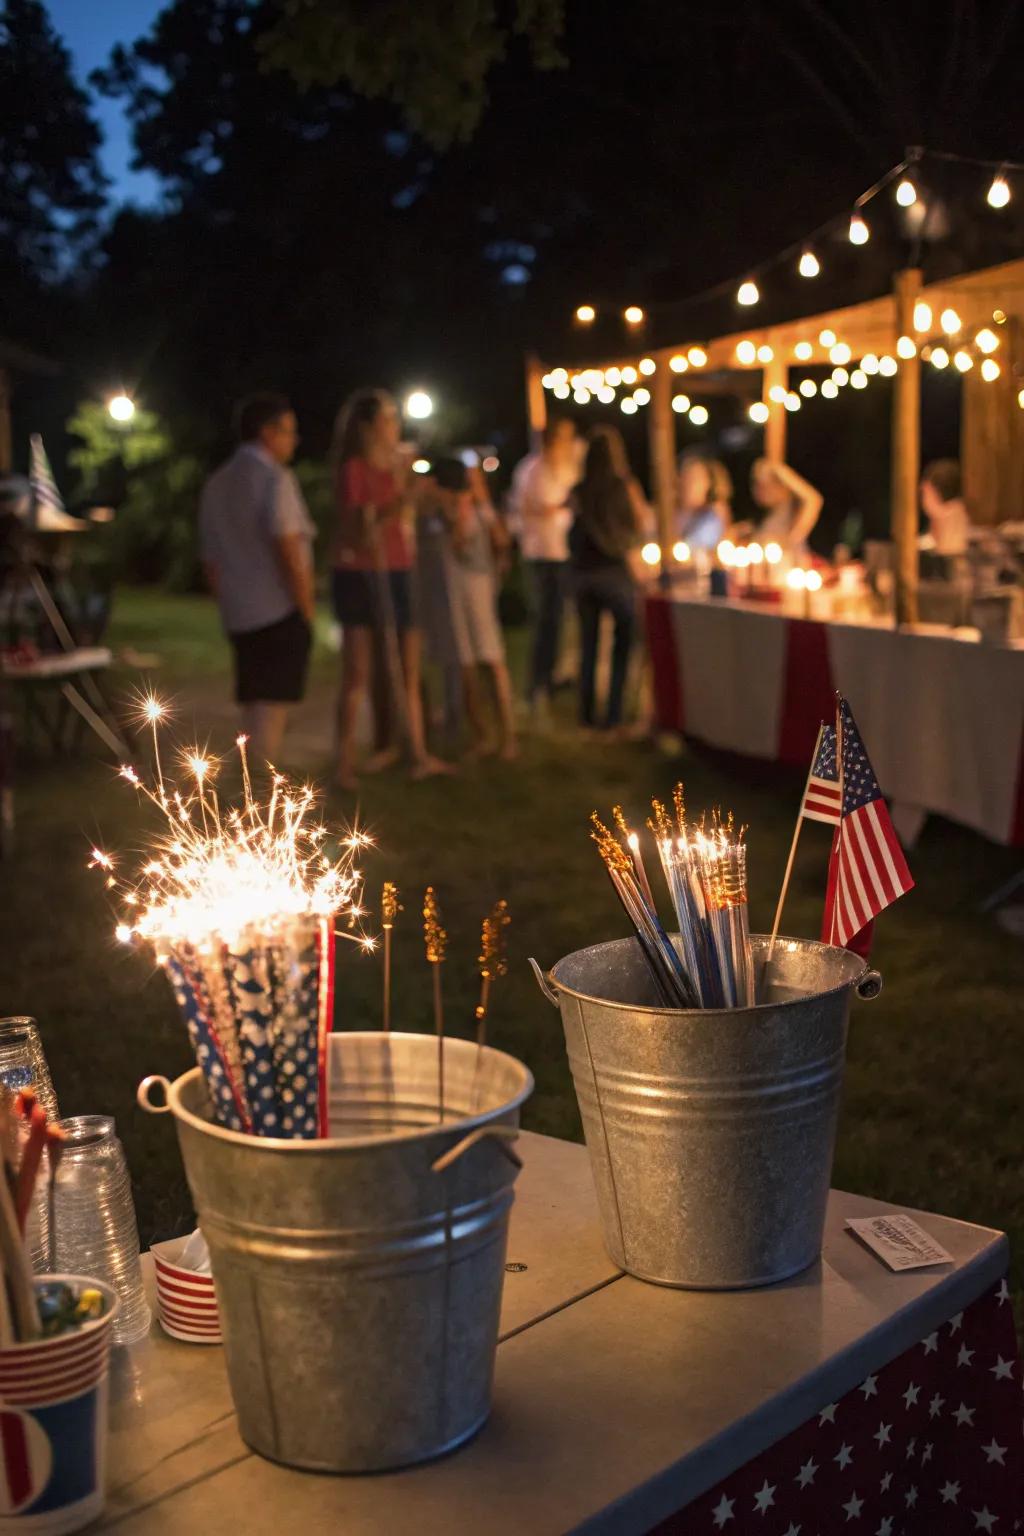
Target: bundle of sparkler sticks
{"x":241,"y":907}
{"x":705,"y":868}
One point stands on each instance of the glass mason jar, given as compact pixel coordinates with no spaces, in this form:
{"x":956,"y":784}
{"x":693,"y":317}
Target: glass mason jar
{"x":23,"y":1064}
{"x":92,"y":1219}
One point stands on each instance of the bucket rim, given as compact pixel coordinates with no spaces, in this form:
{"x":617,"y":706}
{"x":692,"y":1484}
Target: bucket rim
{"x":285,"y":1144}
{"x":660,"y":1012}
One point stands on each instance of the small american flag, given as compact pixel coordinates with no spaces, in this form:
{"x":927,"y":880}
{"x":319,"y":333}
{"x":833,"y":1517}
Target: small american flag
{"x":40,"y":475}
{"x":822,"y":796}
{"x":867,"y":870}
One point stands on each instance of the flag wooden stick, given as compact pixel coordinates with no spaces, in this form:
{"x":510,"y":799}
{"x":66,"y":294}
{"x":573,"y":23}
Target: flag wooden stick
{"x":792,"y":848}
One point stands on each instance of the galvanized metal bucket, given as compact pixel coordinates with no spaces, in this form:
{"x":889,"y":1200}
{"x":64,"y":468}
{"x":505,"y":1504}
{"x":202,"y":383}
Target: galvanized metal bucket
{"x":711,"y":1133}
{"x":359,"y":1277}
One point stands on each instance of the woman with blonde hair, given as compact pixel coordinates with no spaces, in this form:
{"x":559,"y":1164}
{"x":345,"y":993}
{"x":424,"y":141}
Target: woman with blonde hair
{"x":371,"y":580}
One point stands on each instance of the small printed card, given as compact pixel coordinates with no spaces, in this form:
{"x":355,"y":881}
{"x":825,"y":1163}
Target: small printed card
{"x":898,"y":1241}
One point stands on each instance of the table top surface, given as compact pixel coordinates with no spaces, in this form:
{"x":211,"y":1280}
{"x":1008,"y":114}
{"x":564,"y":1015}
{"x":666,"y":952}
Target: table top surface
{"x":615,"y":1402}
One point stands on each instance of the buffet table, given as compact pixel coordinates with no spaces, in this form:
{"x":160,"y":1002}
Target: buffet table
{"x":626,"y":1408}
{"x":943,"y":716}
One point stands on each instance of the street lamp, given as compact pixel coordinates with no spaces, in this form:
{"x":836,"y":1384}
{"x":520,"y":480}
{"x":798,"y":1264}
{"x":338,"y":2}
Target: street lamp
{"x":419,"y":405}
{"x":121,"y":408}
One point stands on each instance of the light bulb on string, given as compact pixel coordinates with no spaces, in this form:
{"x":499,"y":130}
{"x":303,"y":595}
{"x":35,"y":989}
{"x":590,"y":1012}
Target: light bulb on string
{"x":840,"y":353}
{"x":642,"y":396}
{"x":989,"y":369}
{"x":792,"y":401}
{"x":986,"y":340}
{"x":963,"y":360}
{"x":808,"y":265}
{"x":808,"y":388}
{"x":922,"y":316}
{"x":746,"y":352}
{"x":906,"y":347}
{"x":633,"y":315}
{"x":830,"y":389}
{"x":859,"y":232}
{"x":827,"y":338}
{"x":629,"y":406}
{"x":699,"y":415}
{"x":629,"y":375}
{"x":765,"y":354}
{"x":561,"y":391}
{"x":869,"y":363}
{"x":949,"y":320}
{"x":887,"y":366}
{"x":581,"y":396}
{"x":647,"y":365}
{"x":585,"y":314}
{"x":840,"y":376}
{"x":777,"y":393}
{"x":758,"y":412}
{"x":858,"y":379}
{"x":998,"y":194}
{"x":697,"y":357}
{"x":606,"y":394}
{"x":1020,"y":398}
{"x":747,"y":293}
{"x":906,"y":193}
{"x":678,"y":364}
{"x":680,"y":404}
{"x":613,"y":376}
{"x":939,"y":357}
{"x":803,"y":351}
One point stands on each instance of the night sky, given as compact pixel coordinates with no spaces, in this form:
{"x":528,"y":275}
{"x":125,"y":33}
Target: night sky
{"x":90,"y":29}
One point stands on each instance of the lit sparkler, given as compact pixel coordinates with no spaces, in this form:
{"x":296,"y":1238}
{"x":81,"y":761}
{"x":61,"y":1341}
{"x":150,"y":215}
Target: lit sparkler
{"x":435,"y":941}
{"x":493,"y":961}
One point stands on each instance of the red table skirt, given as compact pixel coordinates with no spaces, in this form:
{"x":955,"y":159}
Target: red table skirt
{"x":931,"y":1445}
{"x":805,"y":697}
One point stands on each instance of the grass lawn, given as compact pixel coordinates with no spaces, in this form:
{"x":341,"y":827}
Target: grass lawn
{"x":932,"y":1107}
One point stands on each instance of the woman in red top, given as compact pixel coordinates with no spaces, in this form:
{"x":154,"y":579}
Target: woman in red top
{"x":371,"y":585}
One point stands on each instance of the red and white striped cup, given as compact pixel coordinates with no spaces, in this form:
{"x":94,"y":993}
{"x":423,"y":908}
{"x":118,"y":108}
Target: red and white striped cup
{"x":186,"y":1303}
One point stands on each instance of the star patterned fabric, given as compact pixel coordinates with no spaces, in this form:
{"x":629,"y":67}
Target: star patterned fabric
{"x":930,"y":1445}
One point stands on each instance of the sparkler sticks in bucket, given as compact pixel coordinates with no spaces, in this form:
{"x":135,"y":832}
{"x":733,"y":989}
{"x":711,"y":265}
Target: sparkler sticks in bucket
{"x":436,"y":942}
{"x":241,"y":908}
{"x":706,"y":874}
{"x":493,"y":962}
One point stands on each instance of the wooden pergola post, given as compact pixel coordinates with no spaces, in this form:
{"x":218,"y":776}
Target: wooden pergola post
{"x":536,"y":402}
{"x":775,"y":373}
{"x":906,"y":451}
{"x":661,"y":449}
{"x":992,"y":434}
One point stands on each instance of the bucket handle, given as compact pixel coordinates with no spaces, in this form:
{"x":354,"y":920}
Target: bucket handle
{"x":869,"y":986}
{"x":544,"y":982}
{"x":502,"y":1135}
{"x":145,"y":1089}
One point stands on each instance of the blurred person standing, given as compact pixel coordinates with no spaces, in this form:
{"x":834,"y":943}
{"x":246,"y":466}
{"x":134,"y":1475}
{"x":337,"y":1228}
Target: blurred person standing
{"x":703,"y":511}
{"x":607,"y":528}
{"x":942,"y":503}
{"x":790,"y":506}
{"x":256,"y":540}
{"x":540,"y":516}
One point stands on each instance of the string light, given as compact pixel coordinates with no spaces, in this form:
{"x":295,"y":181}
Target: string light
{"x":859,"y":232}
{"x":581,"y":396}
{"x":803,"y":351}
{"x":840,"y":377}
{"x":699,"y":415}
{"x":561,"y":391}
{"x":633,"y":315}
{"x":887,"y":366}
{"x":746,"y":352}
{"x":906,"y":346}
{"x":827,"y":338}
{"x":629,"y":375}
{"x":773,"y":553}
{"x":606,"y":394}
{"x":678,"y":364}
{"x":651,"y":554}
{"x":999,"y":316}
{"x":808,"y":388}
{"x":830,"y":389}
{"x":642,"y":396}
{"x":758,"y":412}
{"x":869,"y":363}
{"x":680,"y":404}
{"x":939,"y":357}
{"x":963,"y":360}
{"x":986,"y":340}
{"x":906,"y":193}
{"x":727,"y":549}
{"x":747,"y":293}
{"x":647,"y":365}
{"x":858,"y":379}
{"x":840,"y":353}
{"x":777,"y":393}
{"x":756,"y":553}
{"x":1020,"y":398}
{"x":629,"y":406}
{"x":681,"y":551}
{"x":922,"y":316}
{"x":697,"y":357}
{"x":808,"y":265}
{"x":548,"y":381}
{"x":792,"y":401}
{"x":998,"y":194}
{"x":812,"y":581}
{"x":559,"y":375}
{"x":949,"y":320}
{"x":989,"y":369}
{"x":613,"y":376}
{"x":765,"y":354}
{"x":421,"y":466}
{"x":585,"y":313}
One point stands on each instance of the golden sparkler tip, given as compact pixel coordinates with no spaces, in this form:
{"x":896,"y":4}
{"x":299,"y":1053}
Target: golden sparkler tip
{"x":434,"y":936}
{"x":634,"y":842}
{"x":389,"y":903}
{"x":241,"y":740}
{"x":493,"y":960}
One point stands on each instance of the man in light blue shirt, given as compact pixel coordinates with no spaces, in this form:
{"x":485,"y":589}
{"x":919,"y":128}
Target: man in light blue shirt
{"x":256,"y":537}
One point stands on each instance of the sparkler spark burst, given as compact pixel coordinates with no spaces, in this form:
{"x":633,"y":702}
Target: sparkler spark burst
{"x":212,"y":876}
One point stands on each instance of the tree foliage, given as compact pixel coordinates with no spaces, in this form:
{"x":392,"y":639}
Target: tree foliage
{"x":51,"y":185}
{"x":431,"y":58}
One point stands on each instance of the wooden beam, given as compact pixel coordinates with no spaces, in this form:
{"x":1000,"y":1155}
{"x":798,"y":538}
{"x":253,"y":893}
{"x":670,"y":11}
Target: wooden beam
{"x":906,"y":451}
{"x":775,"y":373}
{"x":661,"y":447}
{"x":536,"y":402}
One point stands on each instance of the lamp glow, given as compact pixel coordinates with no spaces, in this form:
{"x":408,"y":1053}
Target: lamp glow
{"x":421,"y":466}
{"x":859,"y":232}
{"x":741,"y":557}
{"x":796,"y":579}
{"x":765,"y":354}
{"x":887,"y":366}
{"x":808,"y":265}
{"x":758,"y":412}
{"x":906,"y":346}
{"x":869,"y":363}
{"x":699,"y":415}
{"x":990,"y":369}
{"x":777,"y":393}
{"x":963,"y":360}
{"x":830,"y":389}
{"x":680,"y":404}
{"x":998,"y":194}
{"x":773,"y":553}
{"x":840,"y":376}
{"x":858,"y":379}
{"x":746,"y":352}
{"x":678,"y":363}
{"x":561,"y":391}
{"x":419,"y":405}
{"x":827,"y":338}
{"x":792,"y":401}
{"x":651,"y":554}
{"x":633,"y":315}
{"x":756,"y":553}
{"x":812,"y":581}
{"x":922,"y":316}
{"x":696,"y":357}
{"x":808,"y":388}
{"x":906,"y":193}
{"x":629,"y":406}
{"x":585,"y":314}
{"x":647,"y":365}
{"x":121,"y":408}
{"x":642,"y":396}
{"x":747,"y":293}
{"x":939,"y":358}
{"x":949,"y":321}
{"x":986,"y":340}
{"x":681,"y":551}
{"x":840,"y":353}
{"x":803,"y":351}
{"x":727,"y":549}
{"x":629,"y":375}
{"x":612,"y":376}
{"x":606,"y":394}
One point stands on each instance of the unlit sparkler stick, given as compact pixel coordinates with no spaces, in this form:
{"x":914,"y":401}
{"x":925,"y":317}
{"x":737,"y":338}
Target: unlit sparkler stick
{"x":792,"y":850}
{"x":389,"y":910}
{"x":436,"y":942}
{"x":675,"y":986}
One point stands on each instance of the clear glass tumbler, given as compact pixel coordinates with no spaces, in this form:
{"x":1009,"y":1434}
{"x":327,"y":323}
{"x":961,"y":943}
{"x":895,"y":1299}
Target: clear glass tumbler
{"x":23,"y":1064}
{"x":92,"y":1220}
